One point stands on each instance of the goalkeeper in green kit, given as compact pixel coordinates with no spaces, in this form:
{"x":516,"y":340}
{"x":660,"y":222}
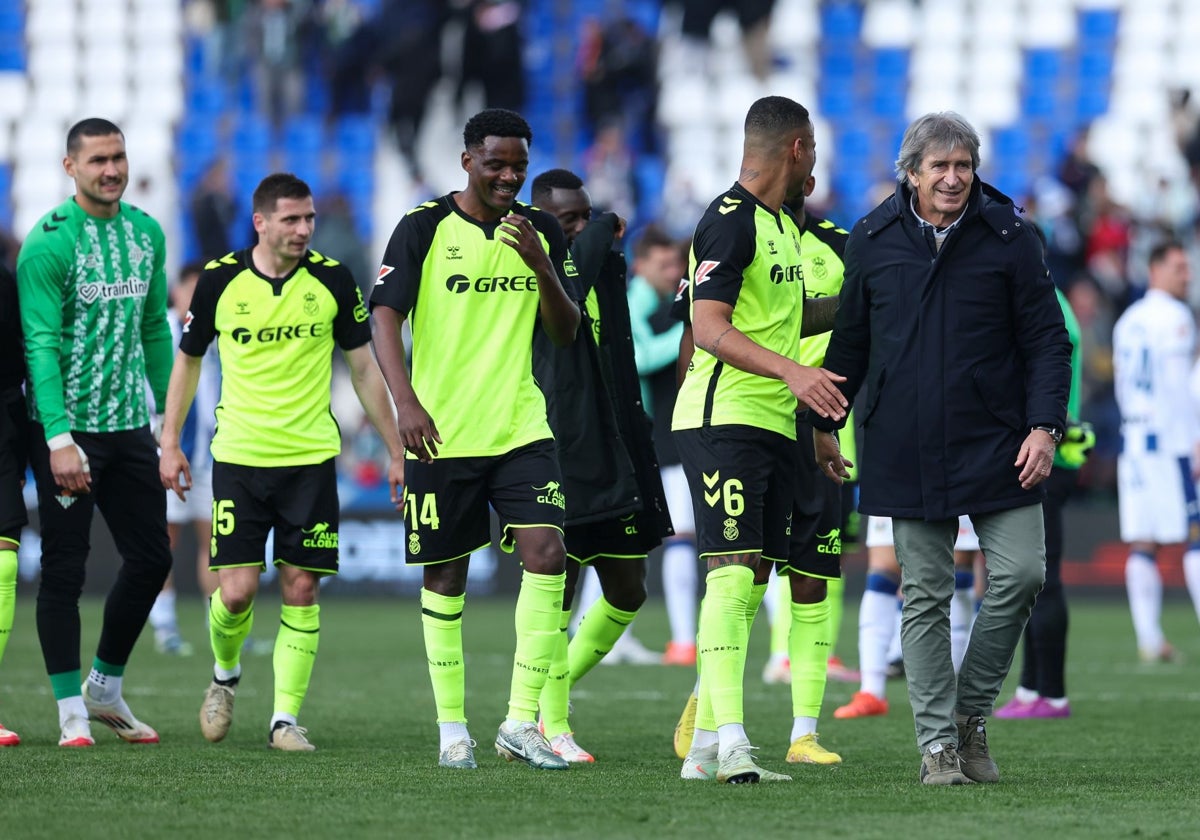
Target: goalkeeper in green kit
{"x":93,"y":296}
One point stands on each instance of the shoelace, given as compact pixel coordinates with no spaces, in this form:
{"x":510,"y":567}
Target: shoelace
{"x":461,"y":750}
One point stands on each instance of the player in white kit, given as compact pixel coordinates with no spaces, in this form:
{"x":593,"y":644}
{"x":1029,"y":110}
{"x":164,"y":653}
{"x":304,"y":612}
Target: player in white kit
{"x":1154,"y":345}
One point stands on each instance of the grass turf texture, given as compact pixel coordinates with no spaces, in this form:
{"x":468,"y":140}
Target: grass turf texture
{"x":1122,"y":766}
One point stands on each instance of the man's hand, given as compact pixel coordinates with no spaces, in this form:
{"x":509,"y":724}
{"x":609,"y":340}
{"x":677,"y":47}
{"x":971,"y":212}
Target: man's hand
{"x":830,"y":460}
{"x":518,"y":233}
{"x":396,"y":481}
{"x":814,"y":388}
{"x":69,"y":466}
{"x":417,"y":431}
{"x":174,"y":471}
{"x":1036,"y":459}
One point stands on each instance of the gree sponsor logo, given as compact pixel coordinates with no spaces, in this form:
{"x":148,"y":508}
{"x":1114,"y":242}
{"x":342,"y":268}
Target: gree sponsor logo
{"x":268,"y":335}
{"x":460,"y":283}
{"x":786,"y":274}
{"x":319,"y":536}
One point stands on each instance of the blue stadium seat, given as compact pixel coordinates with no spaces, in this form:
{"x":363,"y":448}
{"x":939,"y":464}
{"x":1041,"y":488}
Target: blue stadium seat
{"x":207,"y":98}
{"x":197,"y":141}
{"x":890,"y":64}
{"x":840,"y":22}
{"x":853,"y":145}
{"x":1095,"y":64}
{"x":645,"y":13}
{"x":304,"y":133}
{"x":836,"y":100}
{"x":1092,"y":102}
{"x":1039,"y":103}
{"x":1043,"y":66}
{"x":251,"y":135}
{"x":650,"y":176}
{"x":837,"y":64}
{"x":355,"y":133}
{"x":1098,"y":26}
{"x":1011,"y":142}
{"x":12,"y":51}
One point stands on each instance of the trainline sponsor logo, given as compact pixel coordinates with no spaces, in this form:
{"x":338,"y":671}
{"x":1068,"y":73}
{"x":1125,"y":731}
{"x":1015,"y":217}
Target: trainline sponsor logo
{"x":91,"y":292}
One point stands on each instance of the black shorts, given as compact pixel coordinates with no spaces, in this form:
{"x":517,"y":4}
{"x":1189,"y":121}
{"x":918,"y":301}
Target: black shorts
{"x":300,"y":503}
{"x":446,"y":502}
{"x":743,"y":483}
{"x":14,"y":456}
{"x":623,"y":537}
{"x":815,"y":548}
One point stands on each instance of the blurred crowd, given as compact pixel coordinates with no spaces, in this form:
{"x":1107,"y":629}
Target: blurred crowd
{"x":384,"y":57}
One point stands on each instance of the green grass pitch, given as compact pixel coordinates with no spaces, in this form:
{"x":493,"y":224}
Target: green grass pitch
{"x":1125,"y":765}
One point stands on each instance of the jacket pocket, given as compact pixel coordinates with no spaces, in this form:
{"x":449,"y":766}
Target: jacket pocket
{"x":873,"y":394}
{"x":999,"y":396}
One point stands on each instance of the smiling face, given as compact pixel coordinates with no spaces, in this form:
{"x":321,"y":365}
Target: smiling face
{"x":942,"y":184}
{"x":100,"y":170}
{"x":496,"y":170}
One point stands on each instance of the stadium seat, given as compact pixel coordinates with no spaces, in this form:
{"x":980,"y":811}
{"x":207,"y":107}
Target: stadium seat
{"x":1098,"y":27}
{"x":1048,"y":24}
{"x":14,"y":92}
{"x":888,"y":23}
{"x":251,"y":135}
{"x":1043,"y":66}
{"x":840,"y":23}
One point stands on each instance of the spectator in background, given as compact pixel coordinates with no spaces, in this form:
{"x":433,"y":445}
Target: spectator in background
{"x":609,"y":167}
{"x":754,"y":16}
{"x":1108,"y":229}
{"x":492,"y":53}
{"x":618,"y":65}
{"x":658,"y":269}
{"x":271,"y":32}
{"x":410,"y":58}
{"x":213,"y":211}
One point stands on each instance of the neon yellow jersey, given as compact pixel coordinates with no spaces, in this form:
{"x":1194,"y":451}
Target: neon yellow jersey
{"x":472,"y":303}
{"x":822,"y":245}
{"x":748,"y":256}
{"x":275,"y":337}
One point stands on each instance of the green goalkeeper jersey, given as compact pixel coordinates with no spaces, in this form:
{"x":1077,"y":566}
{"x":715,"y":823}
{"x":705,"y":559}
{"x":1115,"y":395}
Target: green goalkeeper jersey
{"x":93,"y":298}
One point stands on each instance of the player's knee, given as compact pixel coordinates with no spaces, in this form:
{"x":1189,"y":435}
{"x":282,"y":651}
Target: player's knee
{"x":629,"y":596}
{"x":808,"y":590}
{"x":544,"y":554}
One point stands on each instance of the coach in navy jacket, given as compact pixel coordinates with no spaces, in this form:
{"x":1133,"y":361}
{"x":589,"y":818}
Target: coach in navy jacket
{"x":949,"y":316}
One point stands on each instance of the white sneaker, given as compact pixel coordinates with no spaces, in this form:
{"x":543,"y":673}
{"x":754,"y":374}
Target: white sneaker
{"x":700,"y":765}
{"x":777,"y":672}
{"x":564,"y":745}
{"x":117,"y":717}
{"x":630,"y":651}
{"x":737,"y":767}
{"x":76,"y":732}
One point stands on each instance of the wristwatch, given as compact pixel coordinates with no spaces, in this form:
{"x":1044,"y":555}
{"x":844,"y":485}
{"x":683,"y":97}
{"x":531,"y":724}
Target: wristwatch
{"x":1056,"y":434}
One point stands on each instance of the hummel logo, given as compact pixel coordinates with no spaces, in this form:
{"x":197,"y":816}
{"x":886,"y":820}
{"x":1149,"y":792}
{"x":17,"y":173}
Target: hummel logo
{"x":54,"y":217}
{"x":711,"y":481}
{"x":731,"y":204}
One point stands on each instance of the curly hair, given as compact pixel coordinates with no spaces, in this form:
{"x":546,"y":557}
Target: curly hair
{"x":495,"y":122}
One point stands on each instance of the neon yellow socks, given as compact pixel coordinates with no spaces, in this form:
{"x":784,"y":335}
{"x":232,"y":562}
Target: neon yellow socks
{"x":556,"y":695}
{"x":8,"y":595}
{"x":722,"y":639}
{"x":441,"y":620}
{"x":537,"y":619}
{"x":602,"y":625}
{"x":836,"y":590}
{"x":227,"y":633}
{"x":295,"y":653}
{"x":782,"y":625}
{"x":808,"y":649}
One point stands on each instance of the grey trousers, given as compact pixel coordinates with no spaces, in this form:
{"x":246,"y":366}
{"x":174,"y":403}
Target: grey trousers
{"x":1014,"y":545}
